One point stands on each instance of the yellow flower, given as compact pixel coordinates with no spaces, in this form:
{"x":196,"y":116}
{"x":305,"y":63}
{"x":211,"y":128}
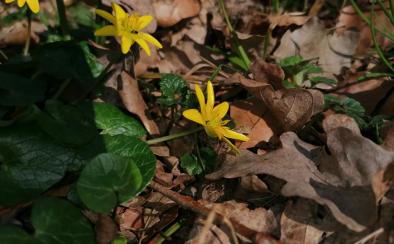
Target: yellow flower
{"x":127,"y":28}
{"x":34,"y":5}
{"x":211,"y":116}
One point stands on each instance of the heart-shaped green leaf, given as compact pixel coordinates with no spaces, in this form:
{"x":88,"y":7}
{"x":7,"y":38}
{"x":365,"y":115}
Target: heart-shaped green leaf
{"x":136,"y":149}
{"x":55,"y":221}
{"x":107,"y":180}
{"x":30,"y":163}
{"x":17,"y":90}
{"x":66,"y":124}
{"x":112,"y":121}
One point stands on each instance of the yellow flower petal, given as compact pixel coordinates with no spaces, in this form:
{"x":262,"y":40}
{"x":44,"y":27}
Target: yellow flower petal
{"x":234,"y":135}
{"x":142,"y":43}
{"x":108,"y":30}
{"x":213,"y":131}
{"x":201,"y":100}
{"x":144,"y":21}
{"x":150,"y":39}
{"x":194,"y":115}
{"x":21,"y":3}
{"x":210,"y":98}
{"x":9,"y":1}
{"x":126,"y":41}
{"x":105,"y":15}
{"x":118,"y":11}
{"x":34,"y":5}
{"x":220,"y":110}
{"x":232,"y":146}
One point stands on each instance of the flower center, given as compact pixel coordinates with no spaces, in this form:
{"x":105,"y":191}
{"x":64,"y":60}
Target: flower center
{"x":130,"y":23}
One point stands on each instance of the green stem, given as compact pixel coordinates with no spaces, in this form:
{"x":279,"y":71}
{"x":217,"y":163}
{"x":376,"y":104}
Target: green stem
{"x":168,"y":232}
{"x":239,"y":48}
{"x":61,"y":88}
{"x":28,"y":37}
{"x":61,"y":11}
{"x":365,"y":18}
{"x":376,"y":44}
{"x":173,"y":136}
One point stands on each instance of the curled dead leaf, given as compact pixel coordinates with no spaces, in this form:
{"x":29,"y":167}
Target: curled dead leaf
{"x":382,"y":181}
{"x":134,"y":102}
{"x":293,"y":107}
{"x":341,"y":181}
{"x":170,"y":12}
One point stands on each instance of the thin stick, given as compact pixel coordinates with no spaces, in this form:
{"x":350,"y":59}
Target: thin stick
{"x":374,"y":234}
{"x":195,"y":206}
{"x":28,"y":37}
{"x":207,"y":226}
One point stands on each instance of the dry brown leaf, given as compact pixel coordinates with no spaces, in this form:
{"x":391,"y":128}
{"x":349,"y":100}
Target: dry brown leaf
{"x":134,"y":102}
{"x":268,"y":73}
{"x":106,"y":229}
{"x":341,"y":181}
{"x":170,"y":12}
{"x":293,"y":107}
{"x":258,"y":220}
{"x":313,"y":41}
{"x":16,"y":33}
{"x":383,"y":181}
{"x":335,"y":121}
{"x":253,"y":118}
{"x":298,"y":223}
{"x":349,"y":19}
{"x":369,"y":92}
{"x":288,"y":19}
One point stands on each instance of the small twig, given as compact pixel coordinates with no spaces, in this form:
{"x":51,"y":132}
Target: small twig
{"x":28,"y":37}
{"x":195,"y":206}
{"x":370,"y":236}
{"x":207,"y":226}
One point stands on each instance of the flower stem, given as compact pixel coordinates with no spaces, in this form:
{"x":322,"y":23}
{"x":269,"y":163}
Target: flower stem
{"x":238,"y":47}
{"x":28,"y":37}
{"x":61,"y":11}
{"x":173,"y":136}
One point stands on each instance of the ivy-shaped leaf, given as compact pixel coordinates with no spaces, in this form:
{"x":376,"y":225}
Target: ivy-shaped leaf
{"x":31,"y":162}
{"x":112,"y":121}
{"x":108,"y":180}
{"x":55,"y":221}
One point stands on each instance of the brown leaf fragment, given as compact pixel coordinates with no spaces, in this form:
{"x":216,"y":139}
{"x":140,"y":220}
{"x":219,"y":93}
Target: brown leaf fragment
{"x":293,"y":107}
{"x":268,"y":73}
{"x":106,"y":229}
{"x":383,"y":181}
{"x":314,"y":41}
{"x":16,"y":33}
{"x":288,"y":19}
{"x":170,"y":12}
{"x":134,"y":102}
{"x":253,"y":118}
{"x":335,"y":121}
{"x":298,"y":223}
{"x":341,"y":181}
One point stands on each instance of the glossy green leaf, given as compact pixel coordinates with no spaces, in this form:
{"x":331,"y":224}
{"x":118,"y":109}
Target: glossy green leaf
{"x":137,"y":150}
{"x":55,"y":221}
{"x":31,"y":162}
{"x":18,"y":90}
{"x":65,"y":60}
{"x":15,"y":235}
{"x":112,"y":121}
{"x":190,"y":164}
{"x":173,"y":88}
{"x":58,"y":221}
{"x":67,"y":124}
{"x":108,"y":180}
{"x":321,"y":79}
